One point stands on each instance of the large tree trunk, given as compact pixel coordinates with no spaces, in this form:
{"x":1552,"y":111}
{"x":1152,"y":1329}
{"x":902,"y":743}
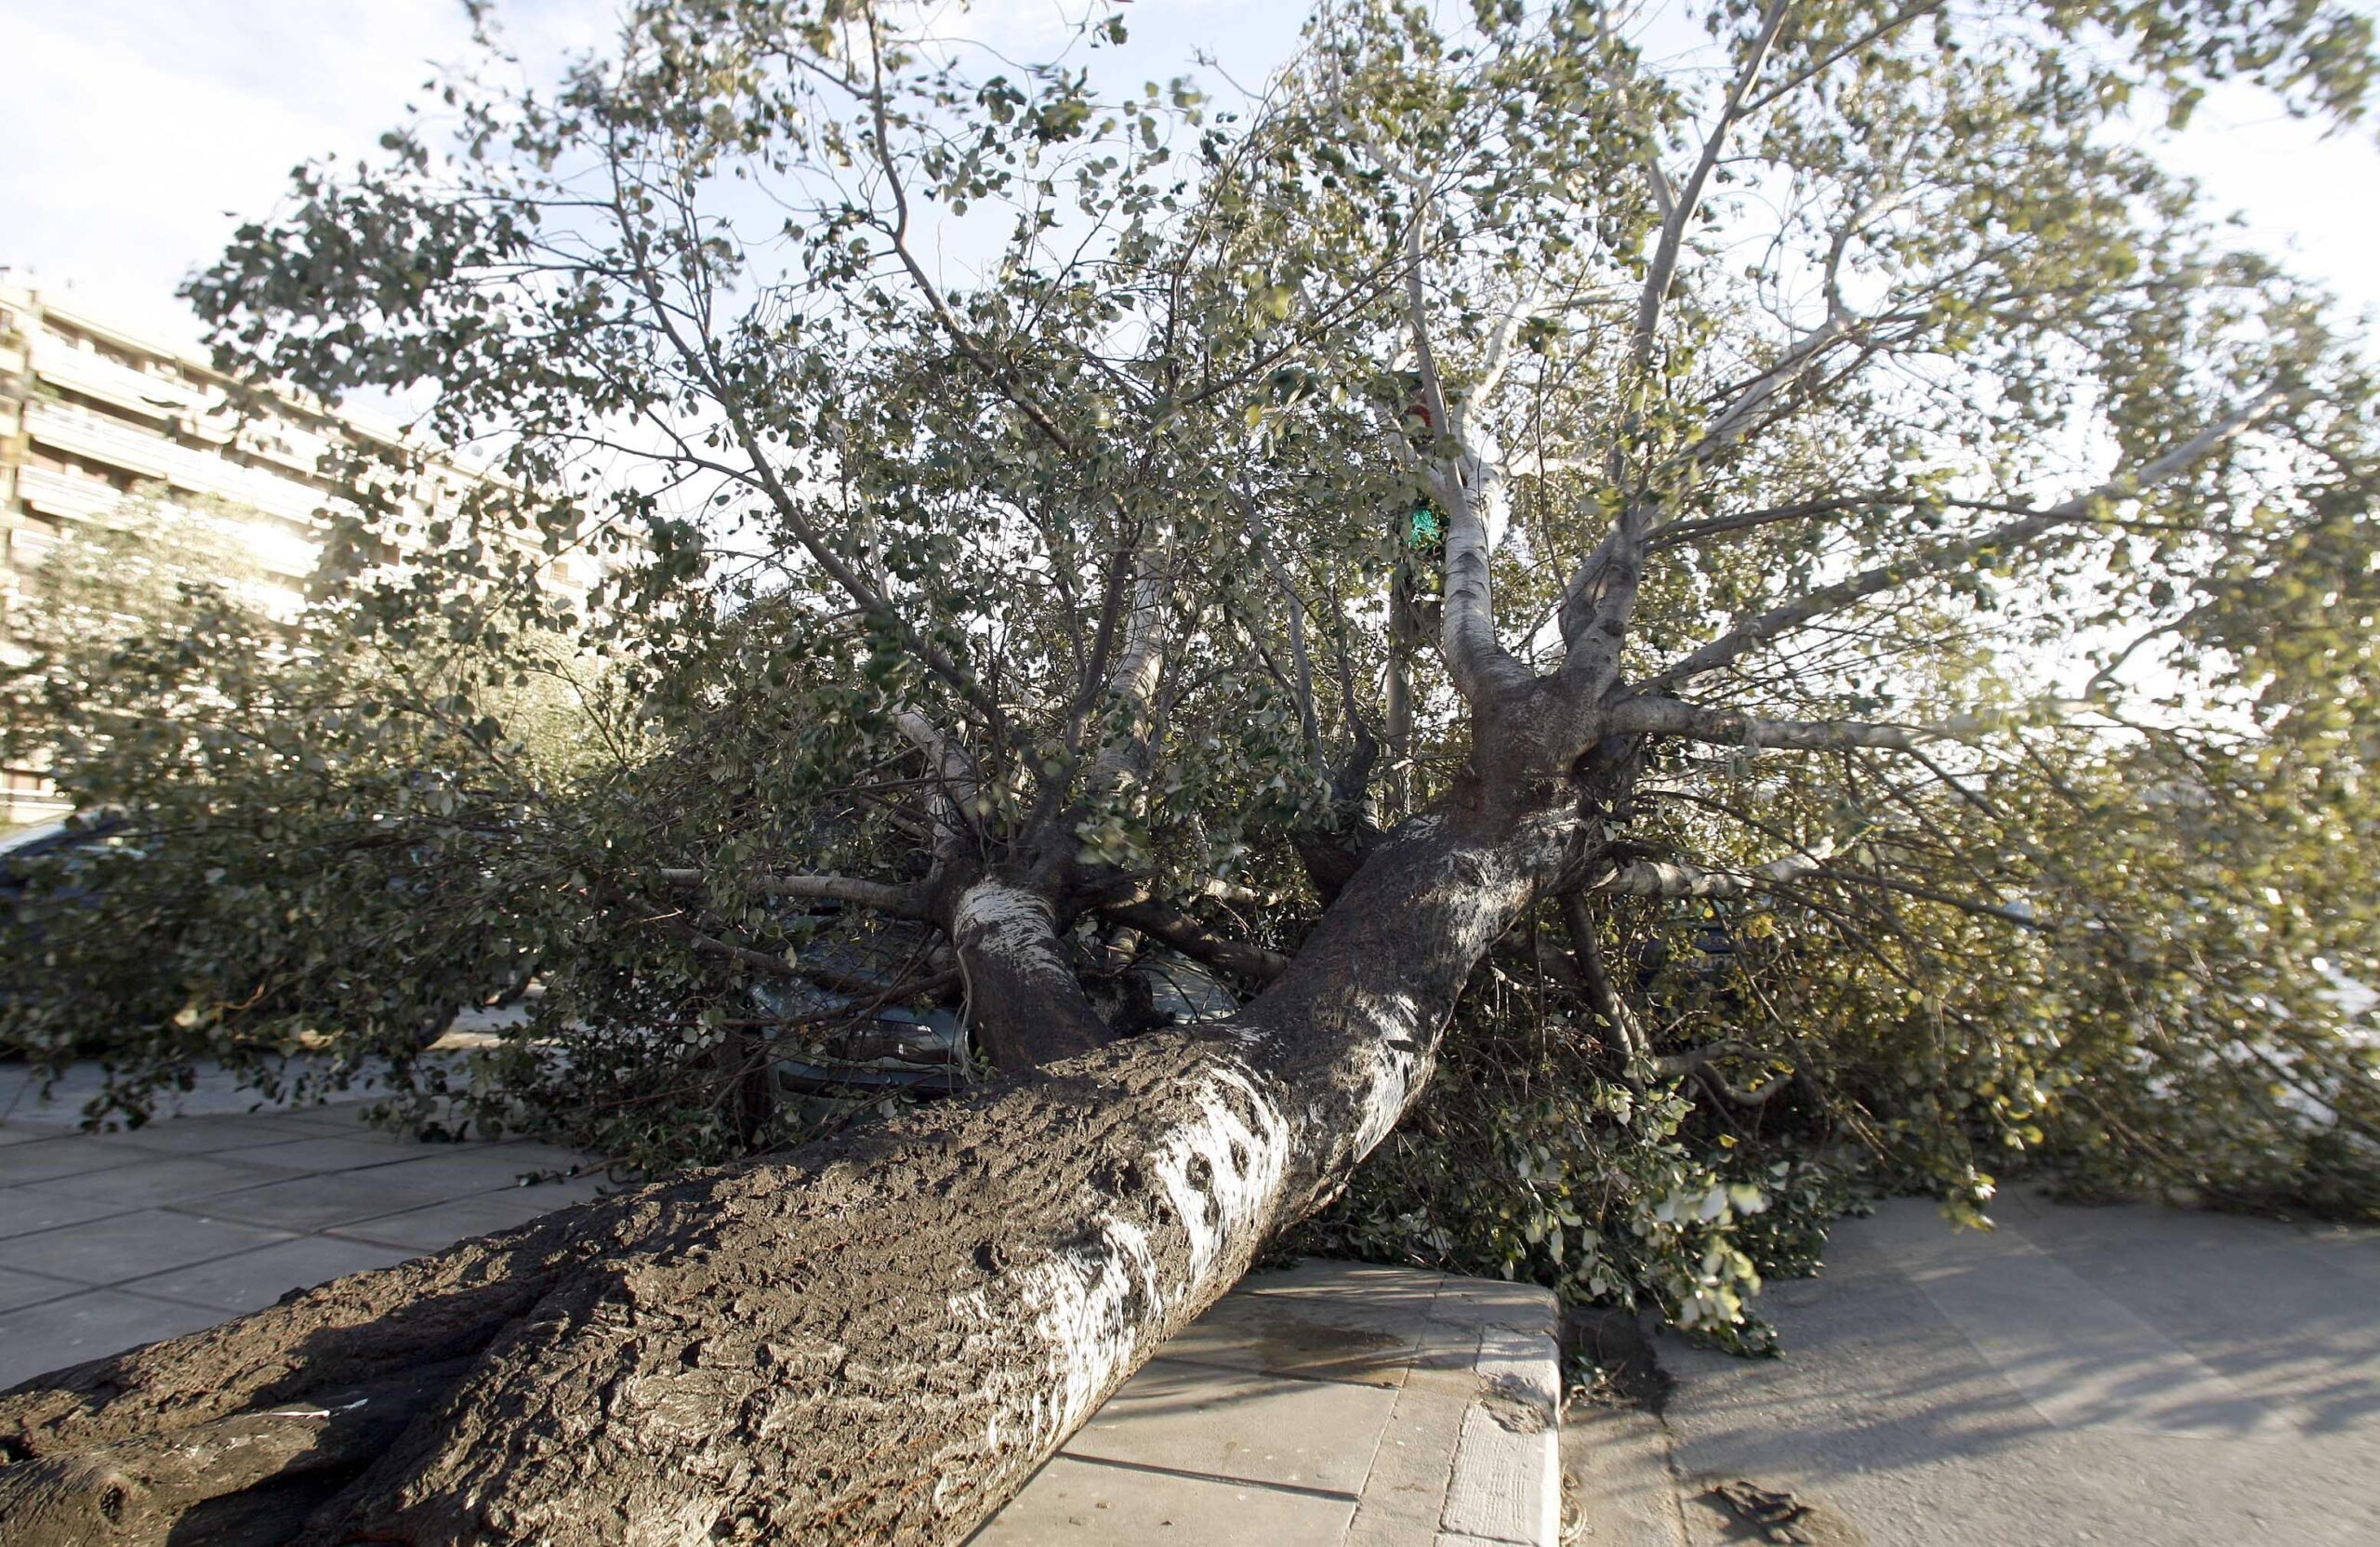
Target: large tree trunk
{"x":875,"y":1340}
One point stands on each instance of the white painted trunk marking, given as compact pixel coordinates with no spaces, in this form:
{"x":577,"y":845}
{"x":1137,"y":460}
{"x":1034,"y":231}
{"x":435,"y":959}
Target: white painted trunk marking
{"x":1239,"y":1195}
{"x":1094,"y":1306}
{"x":995,"y":920}
{"x":1004,"y":918}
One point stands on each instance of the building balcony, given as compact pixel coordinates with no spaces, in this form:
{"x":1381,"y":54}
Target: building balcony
{"x":115,"y":444}
{"x":65,"y":494}
{"x":110,"y":443}
{"x":94,"y":376}
{"x":255,"y":487}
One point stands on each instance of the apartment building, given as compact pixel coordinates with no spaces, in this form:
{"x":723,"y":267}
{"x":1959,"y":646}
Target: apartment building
{"x":94,"y":418}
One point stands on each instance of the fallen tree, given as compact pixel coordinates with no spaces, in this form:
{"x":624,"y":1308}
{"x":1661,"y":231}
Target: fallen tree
{"x":1328,"y":562}
{"x":875,"y":1340}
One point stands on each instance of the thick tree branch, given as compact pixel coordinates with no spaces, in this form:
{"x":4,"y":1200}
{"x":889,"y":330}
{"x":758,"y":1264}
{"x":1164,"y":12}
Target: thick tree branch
{"x":1162,"y":920}
{"x":1655,"y":877}
{"x":958,"y":785}
{"x":1132,"y":682}
{"x":1023,"y":1000}
{"x":895,"y":900}
{"x":1597,"y":605}
{"x":1602,"y":996}
{"x":1467,"y":619}
{"x":1656,"y":716}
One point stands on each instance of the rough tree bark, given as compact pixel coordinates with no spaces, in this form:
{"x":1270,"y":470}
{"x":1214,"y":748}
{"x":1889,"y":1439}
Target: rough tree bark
{"x":876,"y":1339}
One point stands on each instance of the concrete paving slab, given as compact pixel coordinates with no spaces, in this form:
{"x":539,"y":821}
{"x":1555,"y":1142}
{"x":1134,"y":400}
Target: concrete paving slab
{"x":55,"y":1155}
{"x":459,"y":1170}
{"x":1522,"y":1364}
{"x":346,"y":1116}
{"x":346,"y":1113}
{"x":218,"y":1136}
{"x":214,"y":1093}
{"x":305,"y":1204}
{"x":155,"y":1178}
{"x":1194,"y":1418}
{"x":30,"y":1289}
{"x":1489,"y":1300}
{"x":250,"y":1280}
{"x":439,"y":1225}
{"x":314,"y":1150}
{"x":22,"y":1212}
{"x":1504,"y":1485}
{"x":121,"y":1247}
{"x":1072,"y":1500}
{"x":1315,"y":1337}
{"x":1404,"y":1497}
{"x":88,"y":1326}
{"x":1313,"y":1275}
{"x":1428,"y":1409}
{"x":505,"y":1162}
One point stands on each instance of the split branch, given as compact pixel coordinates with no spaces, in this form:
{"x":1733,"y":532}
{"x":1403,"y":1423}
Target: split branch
{"x":1132,"y":681}
{"x":957,"y":784}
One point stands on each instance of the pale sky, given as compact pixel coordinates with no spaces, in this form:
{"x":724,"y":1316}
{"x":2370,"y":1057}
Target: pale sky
{"x":136,"y":134}
{"x":132,"y":127}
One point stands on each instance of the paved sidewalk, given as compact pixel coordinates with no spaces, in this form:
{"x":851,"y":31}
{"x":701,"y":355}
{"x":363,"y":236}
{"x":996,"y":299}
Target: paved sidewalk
{"x":2132,"y":1376}
{"x":1332,"y":1404}
{"x":108,"y":1240}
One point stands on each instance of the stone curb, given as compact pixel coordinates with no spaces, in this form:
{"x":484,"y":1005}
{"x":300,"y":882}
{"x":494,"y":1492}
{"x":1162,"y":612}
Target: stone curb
{"x":1506,"y":1482}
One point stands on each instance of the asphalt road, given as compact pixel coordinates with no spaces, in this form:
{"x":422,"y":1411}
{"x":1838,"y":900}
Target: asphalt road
{"x":2112,"y":1375}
